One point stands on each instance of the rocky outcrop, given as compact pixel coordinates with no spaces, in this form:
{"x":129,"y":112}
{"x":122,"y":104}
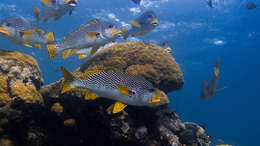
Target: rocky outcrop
{"x":47,"y":117}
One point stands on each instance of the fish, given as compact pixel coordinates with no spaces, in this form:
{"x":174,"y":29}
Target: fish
{"x":210,"y":86}
{"x":83,"y":53}
{"x":210,"y":3}
{"x":251,"y":5}
{"x":54,"y":8}
{"x":124,"y":89}
{"x":166,"y":46}
{"x":20,"y":31}
{"x":142,"y":25}
{"x":92,"y":35}
{"x":137,"y":1}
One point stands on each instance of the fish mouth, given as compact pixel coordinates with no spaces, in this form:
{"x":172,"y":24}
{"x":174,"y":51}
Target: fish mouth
{"x":117,"y":31}
{"x":3,"y":30}
{"x":154,"y":22}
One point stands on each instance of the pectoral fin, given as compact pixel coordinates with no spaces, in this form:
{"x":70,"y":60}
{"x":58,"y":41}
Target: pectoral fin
{"x":155,"y":100}
{"x":26,"y":34}
{"x":91,"y":96}
{"x":38,"y":46}
{"x":135,"y":23}
{"x":124,"y":90}
{"x":116,"y":108}
{"x":3,"y":30}
{"x":27,"y":45}
{"x":92,"y":35}
{"x":82,"y":56}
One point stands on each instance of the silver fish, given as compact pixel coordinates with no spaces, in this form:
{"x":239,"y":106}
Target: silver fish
{"x":54,"y":8}
{"x":21,"y":32}
{"x":142,"y":25}
{"x":93,"y":34}
{"x":124,"y":88}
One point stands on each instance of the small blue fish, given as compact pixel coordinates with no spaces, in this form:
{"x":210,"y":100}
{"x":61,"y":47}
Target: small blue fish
{"x":210,"y":86}
{"x":137,"y":1}
{"x":55,"y":9}
{"x":142,"y":25}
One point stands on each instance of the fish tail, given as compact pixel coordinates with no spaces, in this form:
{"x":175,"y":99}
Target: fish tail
{"x":124,"y":34}
{"x":68,"y":78}
{"x":50,"y":38}
{"x":52,"y":51}
{"x":36,"y":14}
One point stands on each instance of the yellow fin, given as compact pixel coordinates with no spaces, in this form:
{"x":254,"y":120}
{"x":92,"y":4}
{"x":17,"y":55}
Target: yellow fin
{"x":38,"y":46}
{"x":36,"y":14}
{"x":52,"y":51}
{"x":217,"y":90}
{"x":135,"y":23}
{"x":155,"y":100}
{"x":82,"y":27}
{"x":3,"y":30}
{"x":154,"y":21}
{"x":26,"y":34}
{"x":123,"y":89}
{"x":27,"y":45}
{"x":92,"y":35}
{"x":67,"y":53}
{"x":68,"y":78}
{"x":50,"y":37}
{"x":90,"y":73}
{"x":90,"y":95}
{"x":46,"y":2}
{"x":118,"y":107}
{"x":82,"y":56}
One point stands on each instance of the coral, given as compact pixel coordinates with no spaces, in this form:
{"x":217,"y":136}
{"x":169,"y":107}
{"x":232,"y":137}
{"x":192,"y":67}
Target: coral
{"x":5,"y":141}
{"x":147,"y":60}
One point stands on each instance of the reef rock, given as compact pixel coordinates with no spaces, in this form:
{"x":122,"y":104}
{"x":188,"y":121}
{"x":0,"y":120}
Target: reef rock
{"x":20,"y":77}
{"x":138,"y":58}
{"x":68,"y":120}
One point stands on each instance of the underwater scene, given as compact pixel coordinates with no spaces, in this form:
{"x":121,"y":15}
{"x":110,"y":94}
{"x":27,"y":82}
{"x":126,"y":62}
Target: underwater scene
{"x":129,"y":72}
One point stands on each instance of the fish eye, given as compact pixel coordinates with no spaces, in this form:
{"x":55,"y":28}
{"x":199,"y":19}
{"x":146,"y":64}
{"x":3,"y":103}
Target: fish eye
{"x":110,"y":26}
{"x":150,"y":16}
{"x":97,"y":34}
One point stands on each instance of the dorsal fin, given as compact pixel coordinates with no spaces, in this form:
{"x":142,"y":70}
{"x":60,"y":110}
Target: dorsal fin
{"x":90,"y":73}
{"x":82,"y":27}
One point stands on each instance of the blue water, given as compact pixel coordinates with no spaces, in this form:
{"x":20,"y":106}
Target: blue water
{"x":198,"y":35}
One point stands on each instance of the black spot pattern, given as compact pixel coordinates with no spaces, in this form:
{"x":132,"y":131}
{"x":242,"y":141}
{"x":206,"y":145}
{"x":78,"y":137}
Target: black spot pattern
{"x":110,"y":80}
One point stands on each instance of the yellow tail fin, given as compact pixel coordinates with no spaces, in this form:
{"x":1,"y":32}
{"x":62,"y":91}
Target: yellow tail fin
{"x":68,"y":78}
{"x":36,"y":14}
{"x":52,"y":51}
{"x":50,"y":37}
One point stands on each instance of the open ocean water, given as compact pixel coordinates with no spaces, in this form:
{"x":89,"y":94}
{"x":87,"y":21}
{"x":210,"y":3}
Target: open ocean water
{"x":198,"y":35}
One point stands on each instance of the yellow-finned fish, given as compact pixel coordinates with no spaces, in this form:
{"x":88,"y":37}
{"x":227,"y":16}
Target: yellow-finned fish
{"x":142,"y":25}
{"x":21,"y":32}
{"x":124,"y":88}
{"x":92,"y":35}
{"x":54,"y":8}
{"x":210,"y":86}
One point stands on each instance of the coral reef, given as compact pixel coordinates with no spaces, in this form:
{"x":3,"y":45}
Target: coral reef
{"x":29,"y":117}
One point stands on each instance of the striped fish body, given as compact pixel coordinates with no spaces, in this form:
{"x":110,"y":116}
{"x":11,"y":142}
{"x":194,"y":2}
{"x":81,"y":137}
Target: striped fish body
{"x":105,"y":85}
{"x":79,"y":39}
{"x":17,"y":27}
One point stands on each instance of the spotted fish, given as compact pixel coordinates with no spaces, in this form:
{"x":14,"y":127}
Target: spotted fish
{"x":124,"y":88}
{"x":92,"y":35}
{"x":142,"y":25}
{"x":20,"y":31}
